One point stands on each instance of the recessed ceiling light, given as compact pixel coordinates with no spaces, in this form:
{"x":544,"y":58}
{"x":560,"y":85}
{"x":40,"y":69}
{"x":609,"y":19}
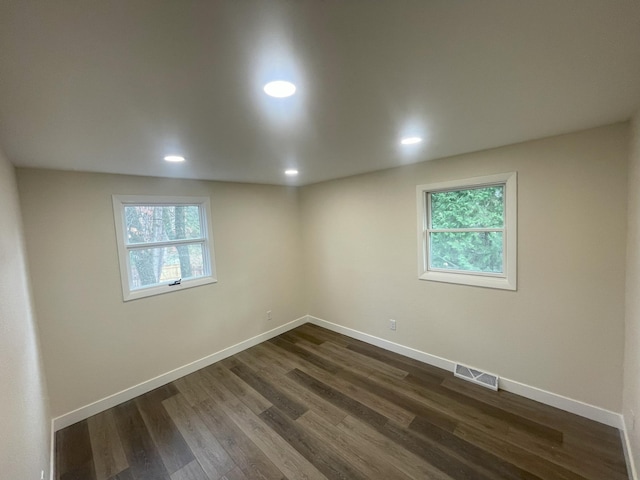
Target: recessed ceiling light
{"x":174,"y":158}
{"x":410,"y":140}
{"x":291,"y":172}
{"x":280,"y":89}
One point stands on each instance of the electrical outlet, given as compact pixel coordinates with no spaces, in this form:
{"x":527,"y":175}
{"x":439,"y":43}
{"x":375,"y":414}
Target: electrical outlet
{"x":392,"y":324}
{"x":268,"y":314}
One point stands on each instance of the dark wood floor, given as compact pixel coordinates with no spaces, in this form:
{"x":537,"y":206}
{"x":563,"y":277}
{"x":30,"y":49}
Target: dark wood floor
{"x":312,"y":404}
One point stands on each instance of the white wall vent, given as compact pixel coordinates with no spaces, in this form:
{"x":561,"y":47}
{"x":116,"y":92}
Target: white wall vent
{"x":476,"y":376}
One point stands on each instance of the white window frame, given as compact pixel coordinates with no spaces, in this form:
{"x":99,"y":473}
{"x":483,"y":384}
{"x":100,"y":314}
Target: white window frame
{"x":119,"y":203}
{"x":506,"y":280}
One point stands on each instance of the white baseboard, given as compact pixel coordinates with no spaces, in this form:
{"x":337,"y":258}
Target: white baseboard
{"x":386,"y":344}
{"x":628,"y":451}
{"x":52,"y":453}
{"x":591,"y":412}
{"x":103,"y":404}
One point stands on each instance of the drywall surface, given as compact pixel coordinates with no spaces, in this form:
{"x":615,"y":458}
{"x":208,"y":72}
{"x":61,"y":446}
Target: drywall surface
{"x":94,"y":344}
{"x":24,"y":412}
{"x":561,"y":331}
{"x":631,"y":396}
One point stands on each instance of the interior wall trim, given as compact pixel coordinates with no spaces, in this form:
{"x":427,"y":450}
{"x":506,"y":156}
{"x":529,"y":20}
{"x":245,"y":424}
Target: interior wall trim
{"x":628,"y":451}
{"x":103,"y":404}
{"x":567,"y":404}
{"x":52,"y":453}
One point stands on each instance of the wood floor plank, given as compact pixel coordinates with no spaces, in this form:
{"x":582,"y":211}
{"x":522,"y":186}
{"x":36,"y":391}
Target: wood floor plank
{"x":430,"y":373}
{"x":191,"y":388}
{"x":314,"y":404}
{"x":290,"y":336}
{"x":205,"y":447}
{"x":365,"y":364}
{"x":259,"y":361}
{"x":518,"y":456}
{"x":273,"y":394}
{"x":249,"y":396}
{"x":371,"y":399}
{"x":124,"y":475}
{"x":312,"y":401}
{"x":434,"y":399}
{"x":355,"y":452}
{"x":291,"y":360}
{"x":280,"y":363}
{"x":298,"y":334}
{"x":244,"y":453}
{"x":235,"y":474}
{"x":337,"y":398}
{"x":516,"y":421}
{"x":434,"y":455}
{"x":544,"y":414}
{"x":599,"y":466}
{"x":332,"y":377}
{"x":144,"y":460}
{"x":315,"y":451}
{"x":324,"y":334}
{"x":306,"y":355}
{"x":410,"y":464}
{"x":436,"y":413}
{"x":584,"y":447}
{"x":214,"y":389}
{"x":73,"y":453}
{"x":108,"y":455}
{"x":291,"y":463}
{"x":191,"y":471}
{"x":468,"y":451}
{"x":172,"y":447}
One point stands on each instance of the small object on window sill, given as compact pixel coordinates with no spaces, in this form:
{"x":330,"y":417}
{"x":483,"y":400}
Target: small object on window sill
{"x":177,"y":282}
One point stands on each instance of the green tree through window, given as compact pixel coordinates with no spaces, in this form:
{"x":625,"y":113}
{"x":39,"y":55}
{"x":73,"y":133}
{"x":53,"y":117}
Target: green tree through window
{"x":466,"y":229}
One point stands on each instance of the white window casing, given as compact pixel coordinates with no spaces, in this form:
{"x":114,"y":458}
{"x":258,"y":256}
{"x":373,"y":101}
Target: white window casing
{"x":507,"y":279}
{"x":204,"y":241}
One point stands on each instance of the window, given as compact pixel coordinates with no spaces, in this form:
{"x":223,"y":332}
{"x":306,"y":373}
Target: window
{"x":164,"y":244}
{"x":467,"y":231}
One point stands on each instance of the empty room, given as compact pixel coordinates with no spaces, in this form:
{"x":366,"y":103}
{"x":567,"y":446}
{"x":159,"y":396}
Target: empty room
{"x":319,"y":239}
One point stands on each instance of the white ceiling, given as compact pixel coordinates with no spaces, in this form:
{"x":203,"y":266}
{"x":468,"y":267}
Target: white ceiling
{"x":114,"y":85}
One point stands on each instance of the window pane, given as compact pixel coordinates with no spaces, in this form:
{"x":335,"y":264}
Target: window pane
{"x":159,"y":223}
{"x":472,"y":208}
{"x":152,"y":266}
{"x":467,"y":251}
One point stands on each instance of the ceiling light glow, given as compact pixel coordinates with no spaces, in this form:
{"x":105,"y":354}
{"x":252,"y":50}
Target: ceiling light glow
{"x":280,"y":89}
{"x":410,"y":140}
{"x":174,"y":158}
{"x":291,"y":172}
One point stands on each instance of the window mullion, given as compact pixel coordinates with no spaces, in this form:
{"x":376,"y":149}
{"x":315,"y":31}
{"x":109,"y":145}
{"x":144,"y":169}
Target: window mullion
{"x":168,"y":243}
{"x":464,"y":230}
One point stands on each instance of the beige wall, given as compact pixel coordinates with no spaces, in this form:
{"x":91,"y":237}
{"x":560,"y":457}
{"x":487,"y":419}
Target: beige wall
{"x":24,"y":415}
{"x":631,"y":396}
{"x":563,"y":329}
{"x":94,"y":344}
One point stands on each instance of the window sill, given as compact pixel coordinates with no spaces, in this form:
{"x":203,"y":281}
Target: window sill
{"x":162,"y":289}
{"x":501,"y":283}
